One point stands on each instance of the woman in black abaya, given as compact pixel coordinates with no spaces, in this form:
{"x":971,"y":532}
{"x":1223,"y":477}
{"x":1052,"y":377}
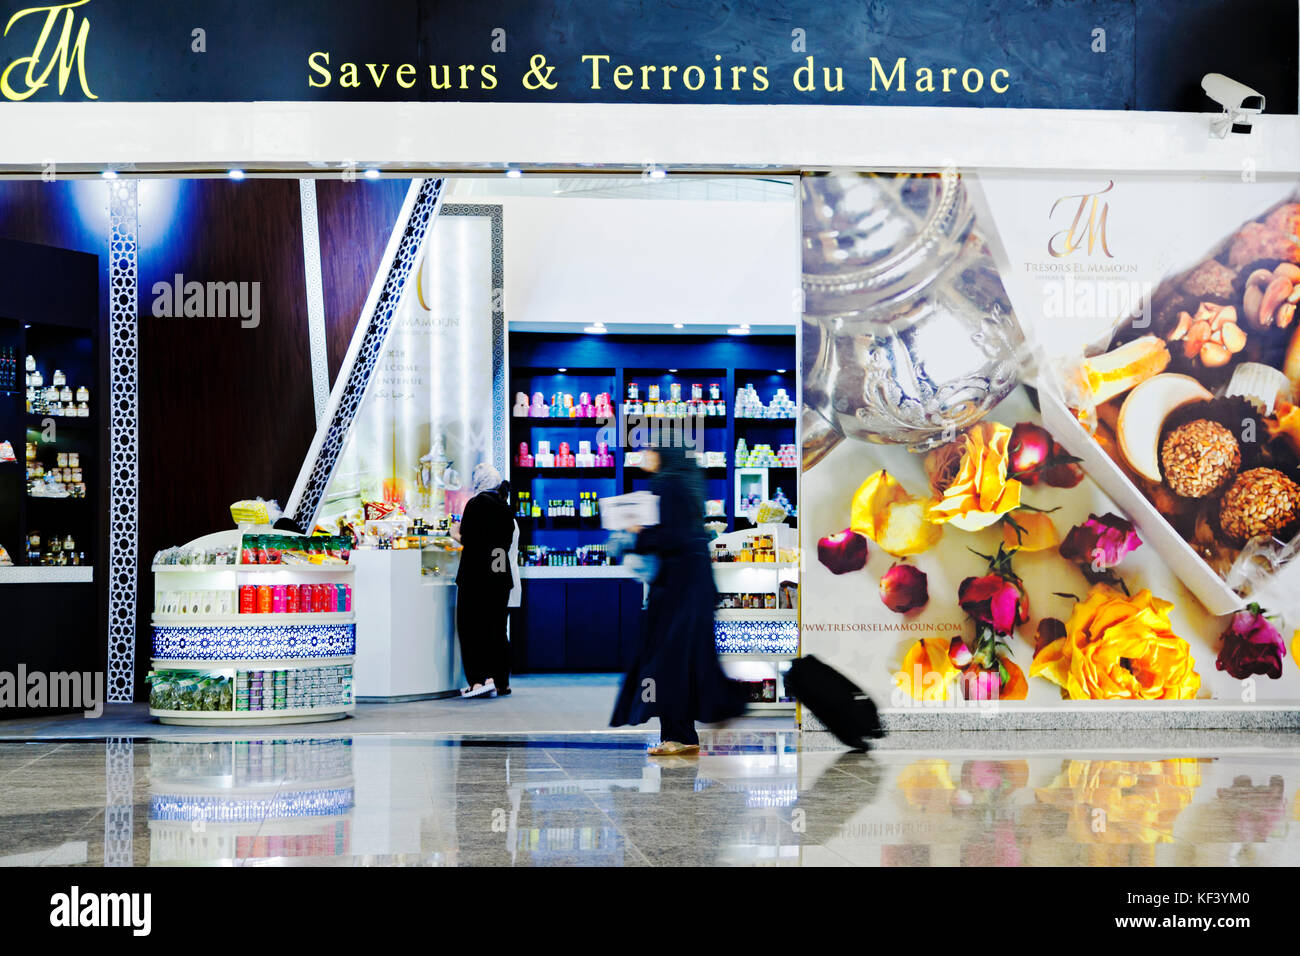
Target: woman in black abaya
{"x":676,"y":675}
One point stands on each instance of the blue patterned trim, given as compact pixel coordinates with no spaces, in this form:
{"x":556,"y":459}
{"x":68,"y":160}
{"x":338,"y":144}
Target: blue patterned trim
{"x":210,"y":809}
{"x":270,"y":642}
{"x":756,"y":637}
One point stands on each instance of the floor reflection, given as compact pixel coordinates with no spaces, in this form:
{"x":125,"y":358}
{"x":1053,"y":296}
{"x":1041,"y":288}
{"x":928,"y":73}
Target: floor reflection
{"x":762,"y":798}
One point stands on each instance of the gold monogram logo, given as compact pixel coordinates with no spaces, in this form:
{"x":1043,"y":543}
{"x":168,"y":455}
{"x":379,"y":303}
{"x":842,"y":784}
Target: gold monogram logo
{"x":1089,"y":224}
{"x":66,"y":53}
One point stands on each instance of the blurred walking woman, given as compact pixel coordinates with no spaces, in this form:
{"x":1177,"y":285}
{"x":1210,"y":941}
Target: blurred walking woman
{"x":484,"y":582}
{"x":676,"y":675}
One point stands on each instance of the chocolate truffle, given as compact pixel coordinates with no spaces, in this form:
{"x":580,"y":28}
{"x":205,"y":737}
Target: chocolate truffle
{"x":1199,"y":457}
{"x":1260,"y":501}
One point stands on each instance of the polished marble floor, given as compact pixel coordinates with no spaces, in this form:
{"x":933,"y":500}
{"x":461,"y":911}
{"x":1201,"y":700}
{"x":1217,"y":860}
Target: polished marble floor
{"x":753,"y":797}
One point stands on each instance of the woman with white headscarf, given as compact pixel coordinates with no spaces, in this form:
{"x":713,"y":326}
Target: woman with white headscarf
{"x":484,"y":583}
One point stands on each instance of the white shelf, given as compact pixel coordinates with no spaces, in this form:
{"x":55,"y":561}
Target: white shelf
{"x":300,"y":715}
{"x":252,"y":568}
{"x":754,"y":614}
{"x":81,"y":574}
{"x":247,"y":663}
{"x":252,"y":620}
{"x":599,"y":571}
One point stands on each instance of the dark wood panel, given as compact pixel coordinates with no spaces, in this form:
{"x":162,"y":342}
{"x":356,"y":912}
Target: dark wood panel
{"x":225,"y":411}
{"x":356,"y":220}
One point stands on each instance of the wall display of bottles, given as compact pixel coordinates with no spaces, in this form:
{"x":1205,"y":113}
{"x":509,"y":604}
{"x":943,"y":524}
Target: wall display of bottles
{"x":761,"y":455}
{"x":58,"y":550}
{"x":54,"y":395}
{"x":562,"y":405}
{"x":8,"y":368}
{"x":587,"y":506}
{"x":564,"y":456}
{"x":63,"y":477}
{"x":248,"y":690}
{"x":750,"y":405}
{"x":583,"y":556}
{"x":673,"y":402}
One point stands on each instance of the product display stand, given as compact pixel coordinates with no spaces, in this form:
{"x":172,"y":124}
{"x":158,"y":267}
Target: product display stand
{"x":206,"y":652}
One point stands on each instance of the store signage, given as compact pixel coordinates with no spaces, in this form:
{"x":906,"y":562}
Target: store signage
{"x":25,"y":75}
{"x":1087,"y":54}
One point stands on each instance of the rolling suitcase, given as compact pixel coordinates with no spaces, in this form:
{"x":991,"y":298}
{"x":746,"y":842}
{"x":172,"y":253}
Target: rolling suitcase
{"x":835,"y":700}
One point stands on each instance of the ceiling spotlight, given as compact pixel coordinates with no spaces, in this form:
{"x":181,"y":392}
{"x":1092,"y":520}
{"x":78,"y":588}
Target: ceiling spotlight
{"x":678,"y":325}
{"x":561,"y":369}
{"x":595,"y":330}
{"x":236,"y":174}
{"x":109,"y":174}
{"x":514,"y":173}
{"x":372,"y":173}
{"x":780,"y":371}
{"x":737,"y":331}
{"x":673,"y":370}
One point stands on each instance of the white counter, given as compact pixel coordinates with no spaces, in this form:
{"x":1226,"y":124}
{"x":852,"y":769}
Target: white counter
{"x":406,"y":629}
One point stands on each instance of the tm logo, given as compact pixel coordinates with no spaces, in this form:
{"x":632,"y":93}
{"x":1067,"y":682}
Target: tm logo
{"x":1087,"y":228}
{"x":34,"y":71}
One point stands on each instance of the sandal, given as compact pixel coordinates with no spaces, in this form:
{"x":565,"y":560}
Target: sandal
{"x":671,"y":748}
{"x":483,"y":690}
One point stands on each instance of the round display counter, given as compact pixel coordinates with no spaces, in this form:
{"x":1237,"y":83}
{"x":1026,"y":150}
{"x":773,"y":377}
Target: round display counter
{"x":252,"y":627}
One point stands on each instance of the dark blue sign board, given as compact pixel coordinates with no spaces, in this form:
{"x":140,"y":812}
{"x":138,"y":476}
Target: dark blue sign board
{"x":1053,"y":54}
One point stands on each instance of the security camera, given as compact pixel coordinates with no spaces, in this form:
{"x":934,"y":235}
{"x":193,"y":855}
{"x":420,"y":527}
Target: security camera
{"x":1238,"y":100}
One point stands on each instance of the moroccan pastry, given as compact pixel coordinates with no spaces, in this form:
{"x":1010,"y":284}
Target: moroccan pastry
{"x":1258,"y":241}
{"x":1210,"y":280}
{"x":1142,"y":418}
{"x":1285,"y":219}
{"x":1210,"y":336}
{"x":1199,"y":457}
{"x":1118,"y":370}
{"x":1260,"y":501}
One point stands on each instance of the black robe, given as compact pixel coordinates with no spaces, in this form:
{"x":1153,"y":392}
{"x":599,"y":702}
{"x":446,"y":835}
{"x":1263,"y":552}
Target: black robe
{"x":677,"y":649}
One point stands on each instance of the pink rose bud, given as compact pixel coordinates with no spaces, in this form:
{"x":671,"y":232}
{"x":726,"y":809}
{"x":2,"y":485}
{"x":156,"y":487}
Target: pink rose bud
{"x":981,"y":685}
{"x":1029,"y":447}
{"x":904,"y":588}
{"x":959,"y":652}
{"x":843,"y":552}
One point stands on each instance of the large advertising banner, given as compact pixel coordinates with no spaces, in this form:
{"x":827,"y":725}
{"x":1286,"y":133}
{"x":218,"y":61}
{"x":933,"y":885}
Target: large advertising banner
{"x":1051,"y":440}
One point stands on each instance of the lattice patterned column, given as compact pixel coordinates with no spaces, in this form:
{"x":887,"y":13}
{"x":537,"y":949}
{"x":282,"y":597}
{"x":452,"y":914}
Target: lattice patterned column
{"x":119,"y":801}
{"x":329,"y":445}
{"x":123,"y":531}
{"x":320,"y":371}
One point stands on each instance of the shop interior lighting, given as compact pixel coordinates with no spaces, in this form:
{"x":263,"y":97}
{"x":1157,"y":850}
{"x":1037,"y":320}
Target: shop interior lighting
{"x":236,"y":174}
{"x":737,"y":331}
{"x":372,"y":173}
{"x":657,"y":173}
{"x":109,"y":174}
{"x":561,"y":370}
{"x":780,"y":371}
{"x":514,"y":173}
{"x":678,"y":325}
{"x":595,"y":330}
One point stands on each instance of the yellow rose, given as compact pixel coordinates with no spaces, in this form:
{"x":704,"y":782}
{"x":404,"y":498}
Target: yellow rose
{"x":927,"y":672}
{"x":884,"y":512}
{"x":1118,"y":647}
{"x":969,"y":477}
{"x":1141,"y":799}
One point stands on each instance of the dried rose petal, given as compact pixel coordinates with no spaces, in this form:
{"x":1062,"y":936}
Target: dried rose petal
{"x":1100,"y":543}
{"x":1064,"y":474}
{"x":1049,"y":629}
{"x":843,"y":552}
{"x":904,"y":588}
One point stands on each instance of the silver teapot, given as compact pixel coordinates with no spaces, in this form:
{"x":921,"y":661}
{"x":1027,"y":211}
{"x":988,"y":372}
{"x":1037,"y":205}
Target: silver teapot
{"x":908,"y":334}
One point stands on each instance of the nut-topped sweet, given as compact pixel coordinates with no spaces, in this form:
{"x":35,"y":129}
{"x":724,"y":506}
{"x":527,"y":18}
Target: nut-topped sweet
{"x":1260,"y":501}
{"x":1199,"y":458}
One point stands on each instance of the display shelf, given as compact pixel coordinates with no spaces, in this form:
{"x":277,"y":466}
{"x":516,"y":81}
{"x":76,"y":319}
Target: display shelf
{"x":756,"y":614}
{"x":190,"y":646}
{"x":79,"y":574}
{"x":597,"y":571}
{"x":557,"y":472}
{"x":256,"y":620}
{"x":202,"y":718}
{"x":37,"y":422}
{"x":251,"y":568}
{"x":560,"y":422}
